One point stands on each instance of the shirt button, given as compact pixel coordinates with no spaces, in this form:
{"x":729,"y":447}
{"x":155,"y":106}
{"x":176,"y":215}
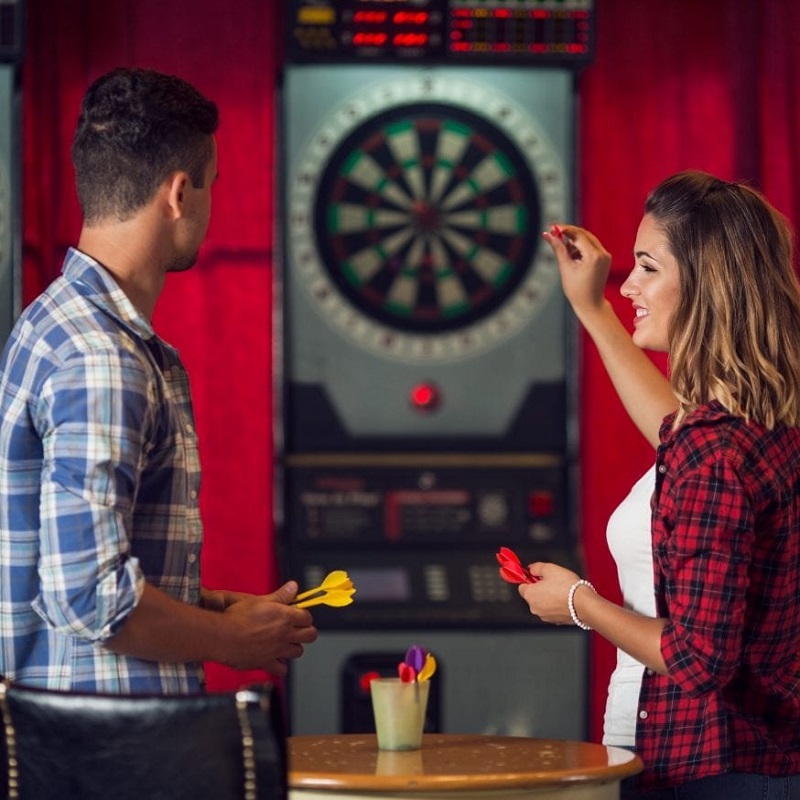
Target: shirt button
{"x":191,"y":558}
{"x":642,"y":714}
{"x":662,"y":469}
{"x":190,"y":428}
{"x":193,"y":494}
{"x":649,"y":671}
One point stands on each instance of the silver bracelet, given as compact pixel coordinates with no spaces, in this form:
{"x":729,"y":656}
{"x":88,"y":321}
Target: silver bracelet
{"x":571,"y":603}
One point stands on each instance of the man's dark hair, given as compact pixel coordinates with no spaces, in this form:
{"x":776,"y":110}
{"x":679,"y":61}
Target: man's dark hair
{"x":135,"y":128}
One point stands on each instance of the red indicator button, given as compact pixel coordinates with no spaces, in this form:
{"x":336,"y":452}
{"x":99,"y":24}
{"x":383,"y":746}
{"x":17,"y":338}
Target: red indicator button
{"x":541,"y":504}
{"x":425,"y":397}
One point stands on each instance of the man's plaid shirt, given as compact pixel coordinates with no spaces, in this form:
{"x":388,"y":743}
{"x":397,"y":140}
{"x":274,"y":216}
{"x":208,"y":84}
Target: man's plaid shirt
{"x":99,"y":483}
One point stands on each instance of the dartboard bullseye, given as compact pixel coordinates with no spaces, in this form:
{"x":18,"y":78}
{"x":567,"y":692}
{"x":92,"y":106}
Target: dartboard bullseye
{"x":415,"y":218}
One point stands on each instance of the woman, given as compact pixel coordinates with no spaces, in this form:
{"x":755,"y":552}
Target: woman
{"x":648,"y":398}
{"x":719,"y":709}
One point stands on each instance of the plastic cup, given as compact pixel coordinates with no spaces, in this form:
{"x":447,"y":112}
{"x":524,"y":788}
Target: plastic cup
{"x":399,"y":762}
{"x":399,"y":710}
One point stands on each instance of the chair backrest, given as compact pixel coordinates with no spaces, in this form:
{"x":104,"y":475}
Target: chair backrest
{"x":76,"y":746}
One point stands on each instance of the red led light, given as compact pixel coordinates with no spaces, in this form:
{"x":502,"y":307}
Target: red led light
{"x":369,"y":39}
{"x":367,"y":678}
{"x":410,"y":39}
{"x":425,"y":396}
{"x":541,"y":504}
{"x":411,"y":17}
{"x":371,"y":17}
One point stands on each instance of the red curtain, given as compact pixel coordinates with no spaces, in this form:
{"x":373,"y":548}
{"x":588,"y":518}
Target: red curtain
{"x":679,"y":84}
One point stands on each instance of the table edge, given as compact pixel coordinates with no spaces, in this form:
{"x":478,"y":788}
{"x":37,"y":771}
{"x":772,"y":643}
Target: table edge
{"x":514,"y":780}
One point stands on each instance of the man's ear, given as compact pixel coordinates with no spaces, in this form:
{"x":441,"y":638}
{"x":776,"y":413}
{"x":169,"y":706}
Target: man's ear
{"x":175,"y":186}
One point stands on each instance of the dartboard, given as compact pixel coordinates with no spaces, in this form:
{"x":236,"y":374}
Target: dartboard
{"x":416,"y":213}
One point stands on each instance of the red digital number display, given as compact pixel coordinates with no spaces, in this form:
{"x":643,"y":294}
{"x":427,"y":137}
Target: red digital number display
{"x":411,"y":18}
{"x":369,"y":39}
{"x":370,"y":17}
{"x":401,"y":30}
{"x":410,"y":39}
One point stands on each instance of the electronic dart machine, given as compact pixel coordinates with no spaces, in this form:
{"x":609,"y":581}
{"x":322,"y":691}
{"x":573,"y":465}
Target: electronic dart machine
{"x":427,"y":379}
{"x":11,"y":39}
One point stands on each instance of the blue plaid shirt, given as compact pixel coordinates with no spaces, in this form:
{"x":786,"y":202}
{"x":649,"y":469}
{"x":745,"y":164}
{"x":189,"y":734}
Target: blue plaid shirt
{"x":99,"y":483}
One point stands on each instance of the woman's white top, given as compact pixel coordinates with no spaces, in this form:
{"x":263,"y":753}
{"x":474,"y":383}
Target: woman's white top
{"x":630,"y":543}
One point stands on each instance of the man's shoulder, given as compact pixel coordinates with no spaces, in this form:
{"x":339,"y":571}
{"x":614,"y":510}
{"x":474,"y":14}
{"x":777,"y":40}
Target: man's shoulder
{"x":85,"y":299}
{"x":61,"y":331}
{"x":63,"y":318}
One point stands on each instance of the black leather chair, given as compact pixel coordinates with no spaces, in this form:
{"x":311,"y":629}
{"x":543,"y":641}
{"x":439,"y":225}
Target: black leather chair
{"x":74,"y":746}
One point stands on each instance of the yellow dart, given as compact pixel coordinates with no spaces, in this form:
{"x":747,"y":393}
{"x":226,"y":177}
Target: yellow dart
{"x":428,"y":668}
{"x":334,"y":597}
{"x":338,"y":579}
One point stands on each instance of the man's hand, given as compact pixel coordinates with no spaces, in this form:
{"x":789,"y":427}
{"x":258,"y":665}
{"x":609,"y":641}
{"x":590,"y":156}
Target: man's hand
{"x":251,"y":632}
{"x":266,"y":631}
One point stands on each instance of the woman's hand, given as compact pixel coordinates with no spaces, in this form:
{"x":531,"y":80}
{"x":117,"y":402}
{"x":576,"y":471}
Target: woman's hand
{"x":584,"y":265}
{"x":634,"y":633}
{"x":547,"y":598}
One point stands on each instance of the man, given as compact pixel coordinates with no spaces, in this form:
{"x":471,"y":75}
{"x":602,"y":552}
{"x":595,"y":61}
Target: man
{"x":100,"y":529}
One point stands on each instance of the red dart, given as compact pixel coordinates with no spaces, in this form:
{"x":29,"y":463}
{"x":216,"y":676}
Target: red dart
{"x":506,"y":555}
{"x":406,"y":672}
{"x":511,"y":568}
{"x":558,"y":232}
{"x":514,"y":575}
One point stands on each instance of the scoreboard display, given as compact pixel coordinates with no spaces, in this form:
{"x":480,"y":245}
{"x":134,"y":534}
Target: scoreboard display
{"x":465,"y":31}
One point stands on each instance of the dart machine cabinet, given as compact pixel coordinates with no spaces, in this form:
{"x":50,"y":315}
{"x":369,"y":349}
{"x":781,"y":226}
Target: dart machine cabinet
{"x":426,"y":370}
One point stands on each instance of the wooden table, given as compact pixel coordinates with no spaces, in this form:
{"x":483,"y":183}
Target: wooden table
{"x":455,"y":766}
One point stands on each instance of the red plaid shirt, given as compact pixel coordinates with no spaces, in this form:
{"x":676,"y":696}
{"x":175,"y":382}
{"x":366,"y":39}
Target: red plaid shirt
{"x":726,"y":549}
